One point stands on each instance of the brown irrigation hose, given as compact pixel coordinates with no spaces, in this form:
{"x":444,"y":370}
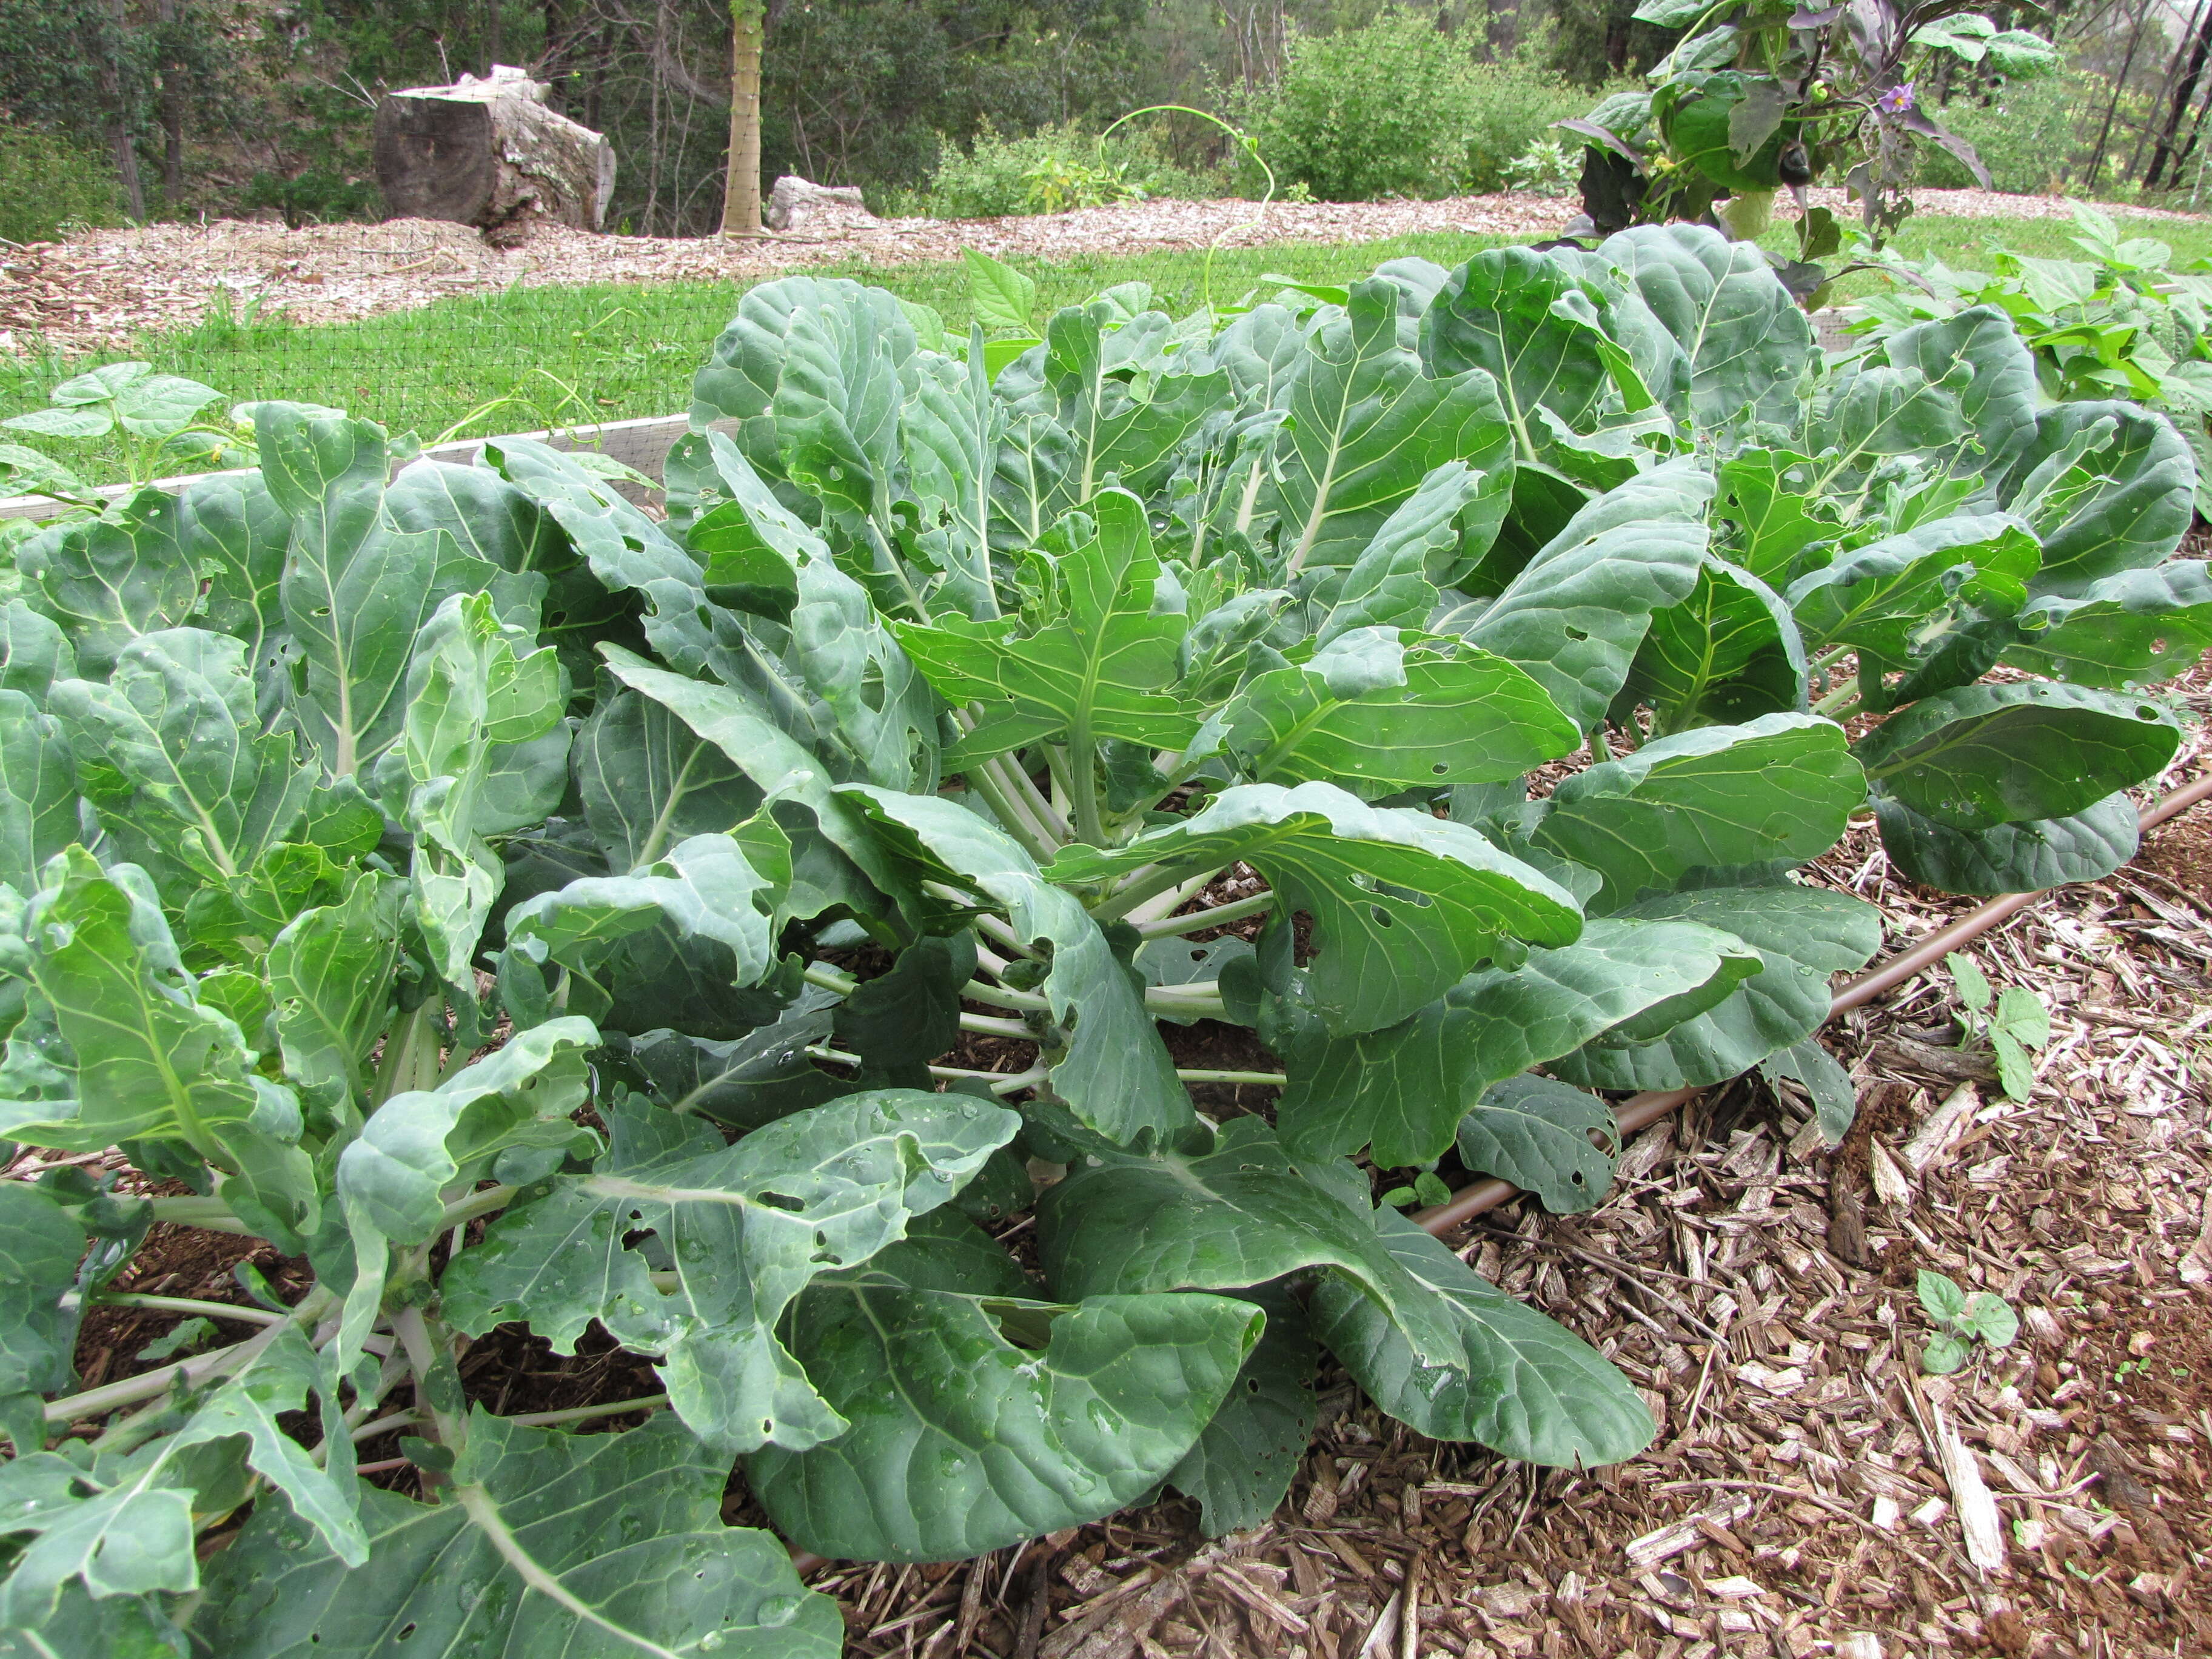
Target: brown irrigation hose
{"x":1640,"y":1110}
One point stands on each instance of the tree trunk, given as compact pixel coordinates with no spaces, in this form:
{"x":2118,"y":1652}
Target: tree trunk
{"x":741,"y":205}
{"x":172,"y":106}
{"x":492,"y":42}
{"x":2119,"y":86}
{"x":2184,"y":93}
{"x":115,"y":83}
{"x":490,"y":154}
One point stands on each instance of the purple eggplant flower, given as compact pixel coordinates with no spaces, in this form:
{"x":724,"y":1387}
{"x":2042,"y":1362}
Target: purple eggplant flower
{"x":1897,"y":100}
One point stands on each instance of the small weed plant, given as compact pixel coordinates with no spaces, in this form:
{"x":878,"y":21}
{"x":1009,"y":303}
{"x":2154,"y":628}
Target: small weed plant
{"x":1961,"y":1322}
{"x":715,"y":933}
{"x":2012,"y":1023}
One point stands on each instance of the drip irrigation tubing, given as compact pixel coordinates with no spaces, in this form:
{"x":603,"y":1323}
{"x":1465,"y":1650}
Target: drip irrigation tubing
{"x":1640,"y":1111}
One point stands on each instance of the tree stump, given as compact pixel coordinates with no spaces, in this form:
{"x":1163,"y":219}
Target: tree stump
{"x":488,"y":153}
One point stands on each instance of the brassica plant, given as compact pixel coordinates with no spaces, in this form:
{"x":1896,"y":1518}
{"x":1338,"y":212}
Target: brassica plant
{"x":535,"y":909}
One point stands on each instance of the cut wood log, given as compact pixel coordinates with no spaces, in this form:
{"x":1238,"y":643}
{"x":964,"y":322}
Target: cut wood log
{"x":799,"y":203}
{"x":488,"y":153}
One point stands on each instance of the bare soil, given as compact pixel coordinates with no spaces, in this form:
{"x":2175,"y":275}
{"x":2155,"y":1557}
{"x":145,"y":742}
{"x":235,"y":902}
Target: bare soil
{"x":99,"y":290}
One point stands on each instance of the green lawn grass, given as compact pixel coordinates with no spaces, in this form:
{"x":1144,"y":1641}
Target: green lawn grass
{"x":530,"y":357}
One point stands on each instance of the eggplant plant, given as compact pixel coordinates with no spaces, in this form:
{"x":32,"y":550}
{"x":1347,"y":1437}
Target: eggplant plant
{"x":1762,"y":95}
{"x":536,"y":910}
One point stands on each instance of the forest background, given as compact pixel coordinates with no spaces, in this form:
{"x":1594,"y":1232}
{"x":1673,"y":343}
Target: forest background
{"x":152,"y":109}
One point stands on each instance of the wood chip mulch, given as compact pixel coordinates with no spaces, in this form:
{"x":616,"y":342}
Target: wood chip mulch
{"x":99,"y":290}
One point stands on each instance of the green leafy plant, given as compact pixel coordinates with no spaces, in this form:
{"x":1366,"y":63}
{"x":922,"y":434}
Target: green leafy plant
{"x":159,"y":419}
{"x":1960,"y":1321}
{"x":1544,"y":168}
{"x":2125,"y":323}
{"x":537,"y":911}
{"x":2012,"y":1023}
{"x":1761,"y":96}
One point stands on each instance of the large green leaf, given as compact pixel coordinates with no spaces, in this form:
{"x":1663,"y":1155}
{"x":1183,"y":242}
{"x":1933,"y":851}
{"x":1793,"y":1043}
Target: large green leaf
{"x":1747,"y":339}
{"x":1241,"y":1466}
{"x":151,"y":1060}
{"x":1367,"y":425}
{"x":107,"y":581}
{"x":1367,"y":714}
{"x":837,"y":400}
{"x":1780,"y":787}
{"x":649,"y":780}
{"x":2106,"y":487}
{"x":1537,"y":1133}
{"x":33,"y":651}
{"x":330,"y":973}
{"x":1521,"y":1385}
{"x":837,"y":860}
{"x":1986,"y":754}
{"x":1403,"y":904}
{"x":1405,"y":1087}
{"x":1535,"y":328}
{"x":2137,"y":628}
{"x":1104,"y":666}
{"x":1120,"y":421}
{"x":1900,"y":598}
{"x":235,"y":536}
{"x":2022,"y":857}
{"x":547,"y":1545}
{"x":1578,"y":612}
{"x":1238,"y":1214}
{"x":981,"y":1415}
{"x":704,"y":888}
{"x":40,"y":1245}
{"x":951,"y":427}
{"x":1980,"y":358}
{"x":38,"y":800}
{"x":483,"y":752}
{"x":1729,"y":651}
{"x":177,"y":723}
{"x":356,"y":589}
{"x":1804,"y":934}
{"x":395,"y":1178}
{"x":1781,"y":521}
{"x":1393,"y":583}
{"x":746,"y":1227}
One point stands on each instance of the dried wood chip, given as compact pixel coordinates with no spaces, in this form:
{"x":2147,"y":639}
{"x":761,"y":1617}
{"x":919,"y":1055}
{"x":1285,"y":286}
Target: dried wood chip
{"x":1978,"y":1509}
{"x":1932,"y":1142}
{"x":1672,"y":1540}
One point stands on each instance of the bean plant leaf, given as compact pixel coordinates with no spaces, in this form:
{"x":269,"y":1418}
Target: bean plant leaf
{"x":604,"y":1545}
{"x":981,"y":1415}
{"x":1521,"y":1384}
{"x":746,"y":1227}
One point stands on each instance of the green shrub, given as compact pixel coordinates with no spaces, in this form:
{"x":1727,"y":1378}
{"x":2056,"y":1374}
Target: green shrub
{"x":1048,"y":171}
{"x":1510,"y":110}
{"x":1380,"y":111}
{"x":48,"y":187}
{"x":2026,"y":138}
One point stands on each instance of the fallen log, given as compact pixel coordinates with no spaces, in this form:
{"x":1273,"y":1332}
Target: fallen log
{"x":488,"y":153}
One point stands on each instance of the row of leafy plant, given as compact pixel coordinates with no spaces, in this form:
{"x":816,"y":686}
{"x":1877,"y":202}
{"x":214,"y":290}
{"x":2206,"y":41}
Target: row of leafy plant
{"x":363,"y":828}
